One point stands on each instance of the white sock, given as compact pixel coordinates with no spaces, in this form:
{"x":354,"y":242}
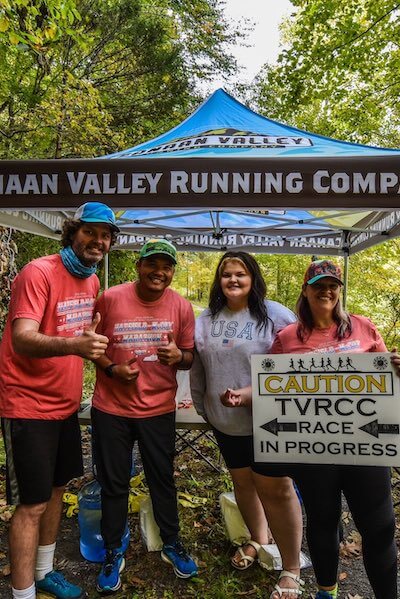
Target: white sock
{"x":44,"y":560}
{"x":29,"y":593}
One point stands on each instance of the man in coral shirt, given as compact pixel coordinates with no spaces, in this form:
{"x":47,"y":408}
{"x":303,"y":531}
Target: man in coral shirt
{"x":50,"y":328}
{"x":150,"y":330}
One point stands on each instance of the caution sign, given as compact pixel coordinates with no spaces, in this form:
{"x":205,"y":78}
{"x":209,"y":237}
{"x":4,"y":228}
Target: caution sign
{"x":326,"y":409}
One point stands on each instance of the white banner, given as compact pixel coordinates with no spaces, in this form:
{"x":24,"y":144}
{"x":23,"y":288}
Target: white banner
{"x":336,"y":408}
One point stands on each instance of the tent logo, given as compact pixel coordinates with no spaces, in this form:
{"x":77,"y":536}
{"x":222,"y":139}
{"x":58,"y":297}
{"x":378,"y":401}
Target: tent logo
{"x":225,"y":138}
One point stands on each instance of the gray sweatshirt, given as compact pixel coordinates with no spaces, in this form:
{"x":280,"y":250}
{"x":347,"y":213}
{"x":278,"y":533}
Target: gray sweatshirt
{"x":224,"y":345}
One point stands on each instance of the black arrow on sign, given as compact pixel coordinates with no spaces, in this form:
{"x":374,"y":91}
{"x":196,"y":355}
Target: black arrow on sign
{"x":275,"y":427}
{"x":375,"y":429}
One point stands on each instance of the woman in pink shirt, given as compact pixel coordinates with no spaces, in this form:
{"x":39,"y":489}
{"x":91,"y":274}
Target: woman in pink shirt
{"x":323,"y":326}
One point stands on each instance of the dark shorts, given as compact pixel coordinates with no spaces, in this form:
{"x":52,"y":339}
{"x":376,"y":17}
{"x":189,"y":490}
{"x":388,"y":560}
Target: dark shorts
{"x":40,"y":455}
{"x":238,"y":452}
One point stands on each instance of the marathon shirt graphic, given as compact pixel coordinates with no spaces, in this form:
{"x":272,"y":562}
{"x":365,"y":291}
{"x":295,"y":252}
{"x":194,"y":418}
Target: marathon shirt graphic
{"x":141,"y":337}
{"x":349,"y":345}
{"x":73,"y":315}
{"x":225,"y":138}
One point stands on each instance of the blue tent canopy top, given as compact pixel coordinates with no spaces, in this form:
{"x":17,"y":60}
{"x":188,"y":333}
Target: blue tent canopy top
{"x":225,"y":177}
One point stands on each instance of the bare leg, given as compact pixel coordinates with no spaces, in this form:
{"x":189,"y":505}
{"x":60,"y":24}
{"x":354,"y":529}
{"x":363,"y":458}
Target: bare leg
{"x":50,"y":521}
{"x":23,"y":542}
{"x":251,"y":509}
{"x":249,"y":504}
{"x":284,"y":516}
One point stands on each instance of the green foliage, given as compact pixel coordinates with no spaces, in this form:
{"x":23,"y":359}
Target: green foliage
{"x":32,"y":246}
{"x":337,"y":73}
{"x":110,"y":74}
{"x":36,"y":25}
{"x":194,"y":275}
{"x":374,"y":283}
{"x":121,"y":267}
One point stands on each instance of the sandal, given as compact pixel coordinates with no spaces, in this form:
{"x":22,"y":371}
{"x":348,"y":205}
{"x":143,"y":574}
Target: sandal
{"x":246,"y":560}
{"x":280,"y":590}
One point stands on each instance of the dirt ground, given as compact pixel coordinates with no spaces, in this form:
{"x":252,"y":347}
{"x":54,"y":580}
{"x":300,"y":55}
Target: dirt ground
{"x":148,"y":577}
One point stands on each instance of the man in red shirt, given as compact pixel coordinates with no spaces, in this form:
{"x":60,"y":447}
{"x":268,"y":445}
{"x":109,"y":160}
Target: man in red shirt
{"x":50,"y":328}
{"x":151,"y":333}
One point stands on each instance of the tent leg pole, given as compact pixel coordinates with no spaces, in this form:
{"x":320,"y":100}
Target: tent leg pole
{"x":345,"y":280}
{"x":106,"y":265}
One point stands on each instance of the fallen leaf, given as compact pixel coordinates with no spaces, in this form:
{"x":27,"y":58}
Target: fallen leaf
{"x":136,"y":581}
{"x":187,"y":500}
{"x":346,"y":517}
{"x":355,"y":536}
{"x":5,"y":571}
{"x":350,"y":549}
{"x":6,"y":515}
{"x":342,"y":576}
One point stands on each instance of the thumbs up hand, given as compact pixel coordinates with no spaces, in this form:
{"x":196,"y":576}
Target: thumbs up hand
{"x":170,"y":354}
{"x":95,"y":322}
{"x":126,"y":372}
{"x":90,"y":344}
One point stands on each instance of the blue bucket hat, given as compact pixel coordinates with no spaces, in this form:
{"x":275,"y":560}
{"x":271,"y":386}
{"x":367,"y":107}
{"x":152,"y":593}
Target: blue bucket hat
{"x":96,"y":212}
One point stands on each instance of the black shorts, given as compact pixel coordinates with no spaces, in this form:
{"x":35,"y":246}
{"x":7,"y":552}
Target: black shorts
{"x":238,"y":452}
{"x":40,"y":455}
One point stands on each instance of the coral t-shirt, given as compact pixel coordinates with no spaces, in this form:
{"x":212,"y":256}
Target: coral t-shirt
{"x":364,"y":338}
{"x":45,"y":388}
{"x":136,"y":328}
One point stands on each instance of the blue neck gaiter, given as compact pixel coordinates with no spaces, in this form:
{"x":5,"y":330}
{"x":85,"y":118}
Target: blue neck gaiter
{"x":74,"y":265}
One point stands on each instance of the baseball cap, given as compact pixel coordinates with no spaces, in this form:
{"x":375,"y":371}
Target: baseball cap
{"x":96,"y":212}
{"x":320,"y":269}
{"x":158,"y":246}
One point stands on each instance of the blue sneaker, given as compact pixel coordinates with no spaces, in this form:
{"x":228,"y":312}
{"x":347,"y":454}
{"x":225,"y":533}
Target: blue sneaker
{"x":109,"y":579}
{"x":180,"y":560}
{"x":55,"y":584}
{"x":326,"y":594}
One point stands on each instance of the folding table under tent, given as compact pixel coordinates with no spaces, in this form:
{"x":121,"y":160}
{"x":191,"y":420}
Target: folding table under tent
{"x":225,"y":178}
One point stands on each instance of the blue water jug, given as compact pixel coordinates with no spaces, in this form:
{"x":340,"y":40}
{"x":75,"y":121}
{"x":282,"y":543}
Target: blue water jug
{"x":91,"y":542}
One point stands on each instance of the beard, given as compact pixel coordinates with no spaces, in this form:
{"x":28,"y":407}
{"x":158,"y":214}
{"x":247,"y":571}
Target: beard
{"x":83,"y":251}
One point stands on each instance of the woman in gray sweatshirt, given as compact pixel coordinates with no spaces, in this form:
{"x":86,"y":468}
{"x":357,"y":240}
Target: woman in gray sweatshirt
{"x":238,"y":323}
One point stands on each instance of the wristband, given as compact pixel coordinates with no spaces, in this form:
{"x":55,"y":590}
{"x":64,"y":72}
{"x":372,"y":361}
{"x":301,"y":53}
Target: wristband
{"x":108,"y":370}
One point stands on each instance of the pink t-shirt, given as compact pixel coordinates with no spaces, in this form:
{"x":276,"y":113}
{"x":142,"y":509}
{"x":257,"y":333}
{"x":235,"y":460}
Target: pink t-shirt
{"x":137,"y":328}
{"x":45,"y":388}
{"x":364,"y":338}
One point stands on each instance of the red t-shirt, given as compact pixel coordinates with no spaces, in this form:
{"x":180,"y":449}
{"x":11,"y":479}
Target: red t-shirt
{"x":364,"y":338}
{"x":45,"y":388}
{"x":137,"y":328}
